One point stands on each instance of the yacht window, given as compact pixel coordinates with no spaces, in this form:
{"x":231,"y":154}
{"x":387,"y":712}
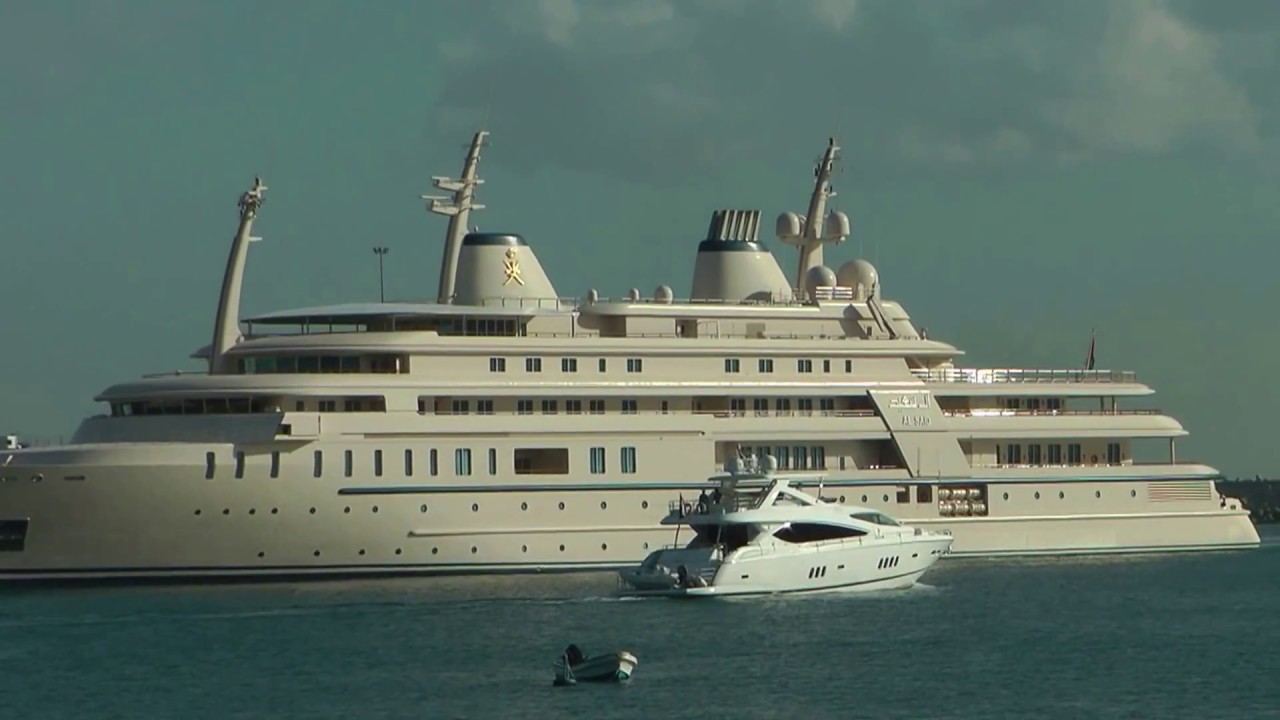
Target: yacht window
{"x":275,"y":464}
{"x":318,"y":467}
{"x":377,"y":463}
{"x":533,"y":365}
{"x":804,"y":366}
{"x":524,"y":407}
{"x":569,"y":365}
{"x":814,"y":532}
{"x":434,"y":462}
{"x":573,"y":407}
{"x":764,"y":365}
{"x":408,"y":463}
{"x":549,"y":407}
{"x":597,"y":407}
{"x":597,"y":460}
{"x":628,"y":407}
{"x":602,"y":364}
{"x":635,"y":365}
{"x":628,"y":460}
{"x":13,"y":535}
{"x":732,"y":365}
{"x":541,"y":461}
{"x":875,"y":517}
{"x":347,"y":463}
{"x":462,"y":461}
{"x":239,"y":464}
{"x":497,"y":364}
{"x":493,"y":461}
{"x":484,"y":407}
{"x":924,"y":494}
{"x":210,"y":462}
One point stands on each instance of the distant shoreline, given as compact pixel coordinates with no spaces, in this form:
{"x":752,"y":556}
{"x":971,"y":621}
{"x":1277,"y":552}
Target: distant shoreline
{"x":1260,"y":497}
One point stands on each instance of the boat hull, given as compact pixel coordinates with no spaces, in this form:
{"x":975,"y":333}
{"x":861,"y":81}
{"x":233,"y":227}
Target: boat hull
{"x":147,"y":513}
{"x":611,"y":668}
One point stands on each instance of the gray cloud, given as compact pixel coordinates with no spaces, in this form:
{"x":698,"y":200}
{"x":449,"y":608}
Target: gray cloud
{"x":979,"y":84}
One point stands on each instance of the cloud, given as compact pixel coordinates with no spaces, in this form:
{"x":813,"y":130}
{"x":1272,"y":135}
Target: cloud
{"x":911,"y":86}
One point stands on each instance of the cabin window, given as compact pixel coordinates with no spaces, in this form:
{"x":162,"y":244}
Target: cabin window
{"x":818,"y":457}
{"x":848,"y":366}
{"x":549,"y":407}
{"x":602,"y":365}
{"x":629,"y":460}
{"x":732,"y":365}
{"x":462,"y":461}
{"x":348,"y":463}
{"x":317,"y":468}
{"x":569,"y":365}
{"x":804,"y":366}
{"x":804,"y":406}
{"x":239,"y":464}
{"x":1073,"y":454}
{"x":738,"y":406}
{"x":377,"y":463}
{"x":924,"y":494}
{"x":541,"y":461}
{"x":874,"y":517}
{"x":275,"y":464}
{"x":210,"y":464}
{"x":597,"y":460}
{"x":493,"y":461}
{"x":461,"y":407}
{"x":524,"y":407}
{"x":533,"y":365}
{"x":629,"y":407}
{"x":1113,"y":453}
{"x":597,"y":407}
{"x":1054,"y":454}
{"x":800,"y":533}
{"x":1033,"y":454}
{"x":408,"y":463}
{"x":434,"y":462}
{"x":484,"y":407}
{"x":497,"y":365}
{"x":826,"y":366}
{"x":573,"y":407}
{"x":764,"y":365}
{"x":13,"y":535}
{"x":904,"y":494}
{"x":760,"y":405}
{"x":635,"y":365}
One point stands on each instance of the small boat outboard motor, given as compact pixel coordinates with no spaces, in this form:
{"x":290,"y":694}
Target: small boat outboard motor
{"x":574,"y":655}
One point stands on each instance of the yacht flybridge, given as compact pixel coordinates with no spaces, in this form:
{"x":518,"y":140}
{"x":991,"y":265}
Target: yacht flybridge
{"x":758,"y":533}
{"x":504,"y":428}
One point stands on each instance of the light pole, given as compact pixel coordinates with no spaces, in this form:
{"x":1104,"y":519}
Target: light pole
{"x":381,"y":252}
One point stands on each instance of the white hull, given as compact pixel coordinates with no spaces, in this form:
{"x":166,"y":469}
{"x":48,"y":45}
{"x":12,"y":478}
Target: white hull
{"x":163,"y":519}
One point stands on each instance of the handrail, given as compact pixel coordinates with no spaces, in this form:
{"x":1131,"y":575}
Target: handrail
{"x":1000,"y":412}
{"x":1023,"y":375}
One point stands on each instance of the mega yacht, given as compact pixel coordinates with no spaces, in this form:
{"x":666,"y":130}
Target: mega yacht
{"x":502,"y":427}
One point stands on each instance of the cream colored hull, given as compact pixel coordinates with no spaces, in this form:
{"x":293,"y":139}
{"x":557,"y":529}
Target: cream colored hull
{"x":158,"y":520}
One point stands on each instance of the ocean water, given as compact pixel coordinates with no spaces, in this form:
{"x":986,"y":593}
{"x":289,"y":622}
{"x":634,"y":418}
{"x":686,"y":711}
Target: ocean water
{"x":1161,"y":636}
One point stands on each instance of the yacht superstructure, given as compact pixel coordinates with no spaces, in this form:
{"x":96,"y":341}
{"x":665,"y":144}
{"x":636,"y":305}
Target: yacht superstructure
{"x":505,"y":428}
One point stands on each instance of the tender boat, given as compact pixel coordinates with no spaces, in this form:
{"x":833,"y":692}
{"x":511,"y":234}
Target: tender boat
{"x":758,"y":533}
{"x":574,"y":667}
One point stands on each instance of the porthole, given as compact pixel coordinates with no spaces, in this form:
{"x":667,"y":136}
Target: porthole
{"x":1037,"y":494}
{"x":253,"y":511}
{"x":561,"y":506}
{"x":1006,"y":496}
{"x":841,"y":499}
{"x":262,"y":554}
{"x":524,"y":548}
{"x":347,"y":510}
{"x":37,"y":477}
{"x":226,"y":511}
{"x":313,"y":511}
{"x":604,"y":546}
{"x":1133,"y":493}
{"x":361,"y":551}
{"x":423,"y":508}
{"x":1097,"y":493}
{"x":864,"y":498}
{"x":644,"y":505}
{"x":1061,"y":495}
{"x":561,"y":548}
{"x":398,"y":551}
{"x":197,"y":512}
{"x":475,"y":507}
{"x":646,"y":546}
{"x":603,"y":505}
{"x":275,"y":511}
{"x":886,"y":498}
{"x":524,"y":506}
{"x":473,"y":549}
{"x":435,"y":551}
{"x":316,"y":553}
{"x":375,"y":508}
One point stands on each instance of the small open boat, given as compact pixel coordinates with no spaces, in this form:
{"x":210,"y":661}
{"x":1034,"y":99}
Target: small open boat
{"x":574,"y":667}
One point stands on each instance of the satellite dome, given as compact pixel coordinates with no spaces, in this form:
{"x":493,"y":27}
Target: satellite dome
{"x":818,"y":276}
{"x":862,"y":277}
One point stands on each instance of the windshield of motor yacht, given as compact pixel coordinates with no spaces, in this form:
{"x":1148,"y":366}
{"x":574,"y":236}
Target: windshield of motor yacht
{"x":875,"y":517}
{"x":731,"y":535}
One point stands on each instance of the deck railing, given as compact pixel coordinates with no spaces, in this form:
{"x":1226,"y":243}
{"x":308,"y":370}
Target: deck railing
{"x":1023,"y":375}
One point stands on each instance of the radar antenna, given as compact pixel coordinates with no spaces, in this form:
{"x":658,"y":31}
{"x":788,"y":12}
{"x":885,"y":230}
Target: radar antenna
{"x":226,"y":324}
{"x":458,"y":208}
{"x":817,"y":227}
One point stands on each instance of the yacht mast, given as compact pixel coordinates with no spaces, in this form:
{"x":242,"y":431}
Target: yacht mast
{"x":811,"y":246}
{"x":226,"y":326}
{"x":458,"y":208}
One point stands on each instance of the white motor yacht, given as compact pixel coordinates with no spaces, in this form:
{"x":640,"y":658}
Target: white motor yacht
{"x":758,"y":533}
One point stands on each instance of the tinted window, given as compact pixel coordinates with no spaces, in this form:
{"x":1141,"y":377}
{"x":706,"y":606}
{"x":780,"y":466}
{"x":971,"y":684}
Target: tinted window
{"x":815,"y":532}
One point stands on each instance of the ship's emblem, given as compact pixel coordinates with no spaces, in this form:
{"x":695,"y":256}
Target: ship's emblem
{"x":511,"y":266}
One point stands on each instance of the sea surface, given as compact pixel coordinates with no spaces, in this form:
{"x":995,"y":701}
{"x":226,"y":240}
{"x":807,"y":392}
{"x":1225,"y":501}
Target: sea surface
{"x":1158,"y":636}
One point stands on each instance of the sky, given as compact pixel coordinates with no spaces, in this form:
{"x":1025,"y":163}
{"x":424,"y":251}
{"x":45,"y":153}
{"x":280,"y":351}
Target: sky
{"x":1021,"y":172}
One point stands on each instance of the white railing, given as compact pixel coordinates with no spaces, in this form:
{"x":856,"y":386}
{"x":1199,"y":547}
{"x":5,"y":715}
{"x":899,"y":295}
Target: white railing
{"x":1023,"y":375}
